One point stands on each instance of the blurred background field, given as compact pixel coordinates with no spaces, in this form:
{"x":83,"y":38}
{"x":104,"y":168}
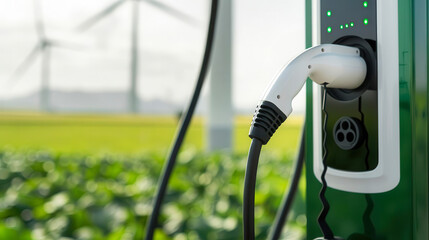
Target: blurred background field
{"x":123,"y":134}
{"x":72,"y":196}
{"x":87,"y":116}
{"x":89,"y":177}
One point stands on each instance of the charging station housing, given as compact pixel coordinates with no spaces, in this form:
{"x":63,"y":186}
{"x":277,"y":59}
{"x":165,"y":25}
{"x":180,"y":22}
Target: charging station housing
{"x":374,"y":165}
{"x":378,"y":189}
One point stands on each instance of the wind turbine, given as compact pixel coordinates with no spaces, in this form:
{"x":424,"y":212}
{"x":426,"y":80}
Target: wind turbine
{"x":43,"y":48}
{"x":134,"y":54}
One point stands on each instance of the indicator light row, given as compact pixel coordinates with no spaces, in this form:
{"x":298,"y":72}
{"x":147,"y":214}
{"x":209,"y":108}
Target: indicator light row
{"x":365,"y":21}
{"x":351,"y":24}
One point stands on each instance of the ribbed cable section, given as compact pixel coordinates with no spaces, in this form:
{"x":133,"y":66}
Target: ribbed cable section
{"x":266,"y":120}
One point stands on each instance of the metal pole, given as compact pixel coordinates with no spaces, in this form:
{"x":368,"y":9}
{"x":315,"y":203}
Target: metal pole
{"x":220,"y":112}
{"x":45,"y":81}
{"x":134,"y":64}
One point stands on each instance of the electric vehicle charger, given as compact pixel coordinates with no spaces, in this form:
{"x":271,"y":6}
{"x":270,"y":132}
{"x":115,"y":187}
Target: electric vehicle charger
{"x":184,"y":124}
{"x":330,"y":65}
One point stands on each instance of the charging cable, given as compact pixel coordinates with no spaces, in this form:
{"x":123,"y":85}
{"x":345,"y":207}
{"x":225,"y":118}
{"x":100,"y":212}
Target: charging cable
{"x":184,"y":124}
{"x":331,"y":65}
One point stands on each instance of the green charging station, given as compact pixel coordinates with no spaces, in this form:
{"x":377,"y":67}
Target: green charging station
{"x":377,"y":135}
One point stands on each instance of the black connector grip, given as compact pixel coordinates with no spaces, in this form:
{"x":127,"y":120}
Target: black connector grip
{"x":266,"y":119}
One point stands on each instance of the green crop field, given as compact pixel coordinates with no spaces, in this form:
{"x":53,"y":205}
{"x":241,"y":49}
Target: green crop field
{"x":92,"y":177}
{"x":125,"y":134}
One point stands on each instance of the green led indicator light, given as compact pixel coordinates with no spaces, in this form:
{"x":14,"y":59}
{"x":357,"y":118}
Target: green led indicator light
{"x":329,"y":29}
{"x":347,"y":26}
{"x":365,"y":21}
{"x":352,"y":24}
{"x":341,"y":26}
{"x":328,"y":13}
{"x":365,"y":4}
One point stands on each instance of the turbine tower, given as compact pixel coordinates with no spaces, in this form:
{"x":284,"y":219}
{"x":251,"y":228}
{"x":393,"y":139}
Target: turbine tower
{"x":43,"y":48}
{"x":134,"y":54}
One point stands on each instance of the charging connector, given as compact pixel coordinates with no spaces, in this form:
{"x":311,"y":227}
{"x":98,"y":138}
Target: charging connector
{"x":334,"y":66}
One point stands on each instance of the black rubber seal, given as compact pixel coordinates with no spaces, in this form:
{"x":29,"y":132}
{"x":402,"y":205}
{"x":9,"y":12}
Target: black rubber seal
{"x":266,"y":119}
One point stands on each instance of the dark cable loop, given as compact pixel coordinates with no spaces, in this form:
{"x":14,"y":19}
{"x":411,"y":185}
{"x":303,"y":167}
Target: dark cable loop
{"x":362,"y":119}
{"x":288,"y":199}
{"x":184,"y":124}
{"x":324,"y":227}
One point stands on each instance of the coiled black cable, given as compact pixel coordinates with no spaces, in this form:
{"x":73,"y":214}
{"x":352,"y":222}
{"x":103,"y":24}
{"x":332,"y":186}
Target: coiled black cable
{"x":184,"y":124}
{"x":324,"y":227}
{"x":368,"y":224}
{"x":288,"y":199}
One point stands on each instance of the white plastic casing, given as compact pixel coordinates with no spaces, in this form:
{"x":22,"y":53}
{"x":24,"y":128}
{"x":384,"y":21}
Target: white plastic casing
{"x":386,"y":175}
{"x":338,"y":70}
{"x":326,"y":64}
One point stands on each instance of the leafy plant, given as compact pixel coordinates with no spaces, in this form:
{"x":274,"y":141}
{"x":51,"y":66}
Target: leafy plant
{"x":54,"y":196}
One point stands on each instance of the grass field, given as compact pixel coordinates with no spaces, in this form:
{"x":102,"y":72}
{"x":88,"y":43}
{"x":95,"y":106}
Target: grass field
{"x":124,"y":134}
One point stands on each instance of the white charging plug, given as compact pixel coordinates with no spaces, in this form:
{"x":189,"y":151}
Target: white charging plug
{"x":337,"y":66}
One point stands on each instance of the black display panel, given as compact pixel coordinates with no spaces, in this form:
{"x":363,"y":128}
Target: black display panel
{"x":344,"y":21}
{"x":341,"y":18}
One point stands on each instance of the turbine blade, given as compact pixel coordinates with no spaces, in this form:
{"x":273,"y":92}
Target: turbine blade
{"x":27,"y":61}
{"x":66,"y":45}
{"x":38,"y":19}
{"x":174,"y":12}
{"x":102,"y":14}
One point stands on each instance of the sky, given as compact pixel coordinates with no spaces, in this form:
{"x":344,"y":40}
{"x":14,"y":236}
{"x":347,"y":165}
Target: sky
{"x":267,"y":34}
